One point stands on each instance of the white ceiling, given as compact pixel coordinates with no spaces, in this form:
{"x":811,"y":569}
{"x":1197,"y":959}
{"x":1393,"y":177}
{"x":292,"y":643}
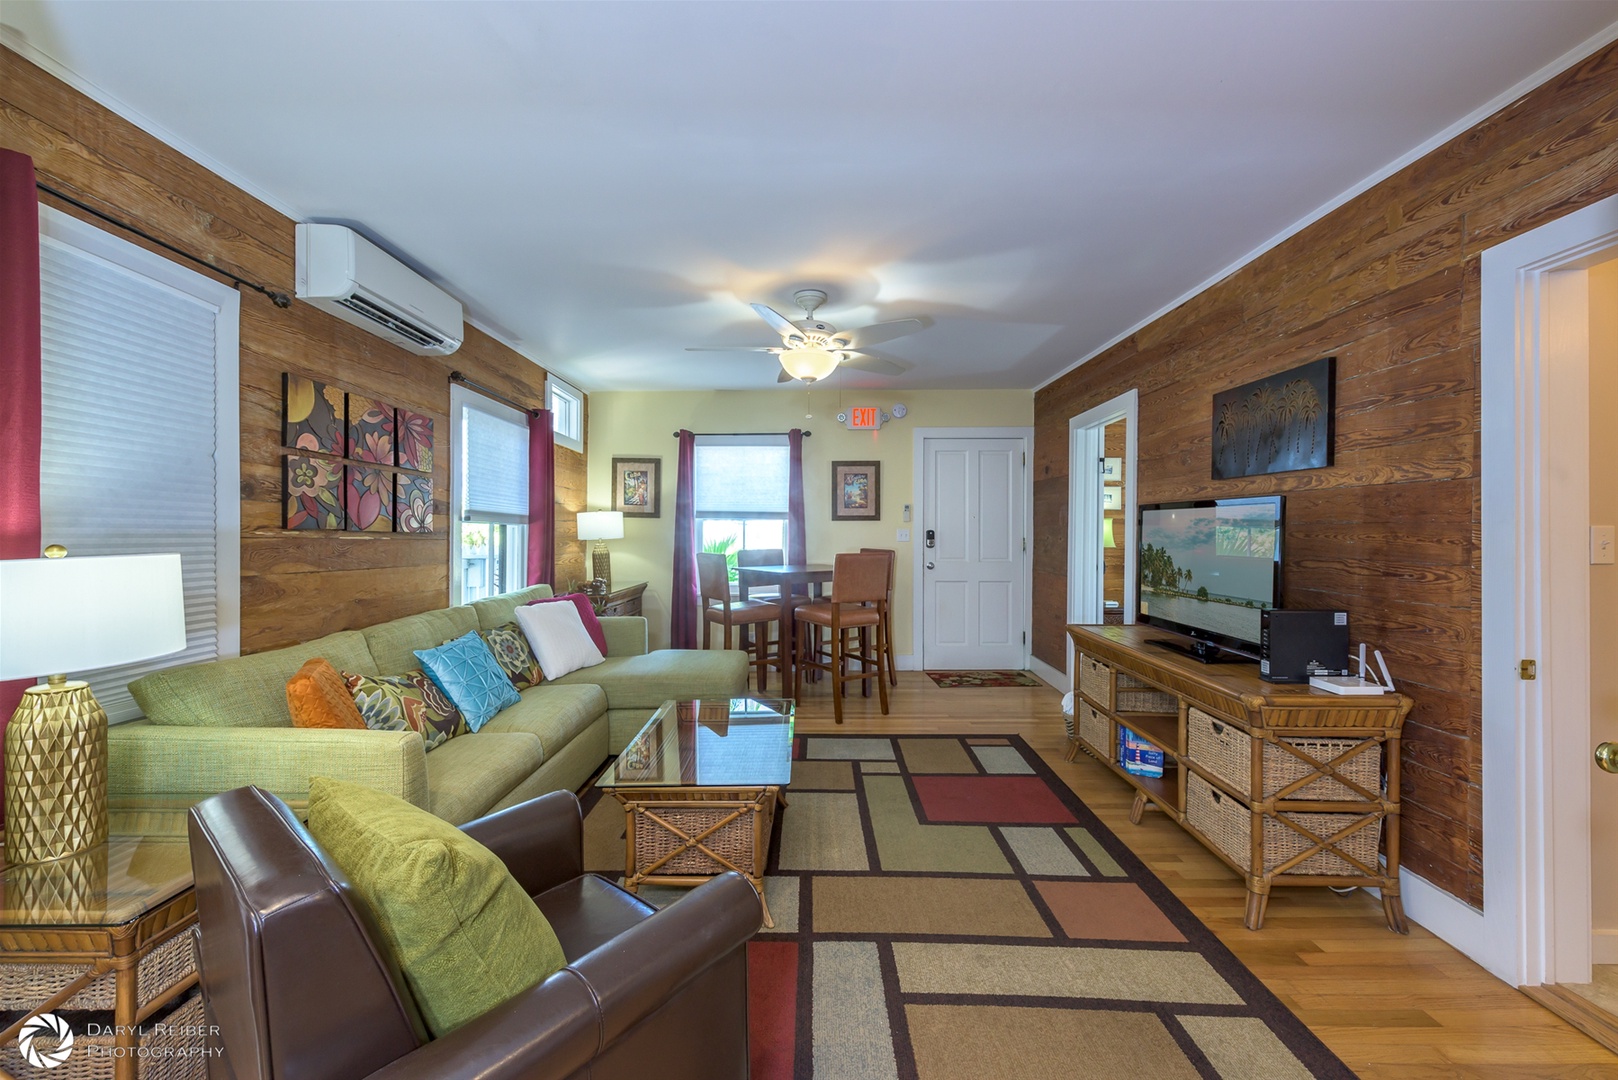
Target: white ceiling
{"x":603,"y":184}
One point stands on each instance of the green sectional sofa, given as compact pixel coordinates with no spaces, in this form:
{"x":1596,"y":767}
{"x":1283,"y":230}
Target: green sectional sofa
{"x":219,"y":725}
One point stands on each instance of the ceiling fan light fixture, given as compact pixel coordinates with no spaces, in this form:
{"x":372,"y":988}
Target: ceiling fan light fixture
{"x":809,"y":365}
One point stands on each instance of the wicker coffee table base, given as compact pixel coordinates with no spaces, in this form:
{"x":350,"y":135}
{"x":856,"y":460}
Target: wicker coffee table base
{"x":684,"y":836}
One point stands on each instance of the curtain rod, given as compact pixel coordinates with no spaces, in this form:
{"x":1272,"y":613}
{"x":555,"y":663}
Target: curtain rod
{"x":457,"y":377}
{"x":705,"y":434}
{"x":279,"y":299}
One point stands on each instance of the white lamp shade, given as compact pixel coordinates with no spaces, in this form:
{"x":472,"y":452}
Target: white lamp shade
{"x":809,"y":364}
{"x":601,"y":525}
{"x":78,"y":614}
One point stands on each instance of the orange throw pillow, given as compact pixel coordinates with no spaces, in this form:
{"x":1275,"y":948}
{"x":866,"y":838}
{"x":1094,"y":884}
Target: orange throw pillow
{"x":317,"y":697}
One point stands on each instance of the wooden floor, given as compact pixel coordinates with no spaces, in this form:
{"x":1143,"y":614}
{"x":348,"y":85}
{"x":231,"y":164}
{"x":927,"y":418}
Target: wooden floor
{"x":1390,"y":1006}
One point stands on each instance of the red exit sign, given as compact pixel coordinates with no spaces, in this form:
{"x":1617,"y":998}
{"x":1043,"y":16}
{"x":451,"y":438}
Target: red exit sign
{"x":864,"y":418}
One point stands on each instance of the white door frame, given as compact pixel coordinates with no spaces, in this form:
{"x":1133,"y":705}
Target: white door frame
{"x":918,"y":545}
{"x":1535,"y":923}
{"x":1085,"y":445}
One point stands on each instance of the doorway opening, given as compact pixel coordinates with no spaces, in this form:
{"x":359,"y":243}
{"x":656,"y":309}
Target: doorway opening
{"x":1101,"y":514}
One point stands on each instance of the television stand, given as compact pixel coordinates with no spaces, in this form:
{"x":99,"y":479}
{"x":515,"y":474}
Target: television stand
{"x":1205,"y":652}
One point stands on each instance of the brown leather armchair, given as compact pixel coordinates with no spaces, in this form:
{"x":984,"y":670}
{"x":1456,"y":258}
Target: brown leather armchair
{"x":299,"y":990}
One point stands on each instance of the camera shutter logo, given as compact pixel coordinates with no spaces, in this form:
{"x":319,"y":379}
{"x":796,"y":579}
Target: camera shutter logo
{"x":46,"y":1026}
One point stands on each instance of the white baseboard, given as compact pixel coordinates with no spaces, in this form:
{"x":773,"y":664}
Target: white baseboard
{"x":906,"y":662}
{"x":1055,"y":676}
{"x":1604,"y":946}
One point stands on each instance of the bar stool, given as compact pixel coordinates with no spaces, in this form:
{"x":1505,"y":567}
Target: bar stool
{"x":713,"y":578}
{"x":859,"y":600}
{"x":887,"y":618}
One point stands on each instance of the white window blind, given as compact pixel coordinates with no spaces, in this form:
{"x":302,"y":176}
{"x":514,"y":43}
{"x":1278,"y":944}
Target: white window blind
{"x":494,"y":465}
{"x":567,"y":413}
{"x":740,"y":475}
{"x":132,"y":453}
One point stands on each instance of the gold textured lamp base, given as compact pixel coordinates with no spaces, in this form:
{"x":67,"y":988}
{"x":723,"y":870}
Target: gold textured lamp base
{"x":56,"y":774}
{"x":601,"y":564}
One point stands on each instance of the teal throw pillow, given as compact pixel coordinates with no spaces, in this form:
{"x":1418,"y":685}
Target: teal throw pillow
{"x":469,"y":674}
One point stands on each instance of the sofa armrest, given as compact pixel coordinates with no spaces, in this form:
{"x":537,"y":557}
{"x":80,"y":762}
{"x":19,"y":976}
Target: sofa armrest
{"x":552,"y":1030}
{"x":627,"y":635}
{"x":146,"y":760}
{"x":541,"y":841}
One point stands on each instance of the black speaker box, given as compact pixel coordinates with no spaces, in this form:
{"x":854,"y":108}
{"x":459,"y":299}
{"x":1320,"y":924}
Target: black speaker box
{"x":1293,"y":645}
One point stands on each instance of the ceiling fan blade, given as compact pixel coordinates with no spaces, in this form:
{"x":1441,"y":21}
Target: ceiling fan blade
{"x":778,"y":322}
{"x":877,"y":333}
{"x":784,"y":376}
{"x":876,"y":365}
{"x":733,"y":348}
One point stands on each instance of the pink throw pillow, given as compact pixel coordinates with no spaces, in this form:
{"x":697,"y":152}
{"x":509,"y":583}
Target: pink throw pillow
{"x":587,"y":615}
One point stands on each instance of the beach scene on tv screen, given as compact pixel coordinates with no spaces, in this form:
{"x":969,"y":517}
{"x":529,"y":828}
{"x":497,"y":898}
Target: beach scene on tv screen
{"x":1211,"y":567}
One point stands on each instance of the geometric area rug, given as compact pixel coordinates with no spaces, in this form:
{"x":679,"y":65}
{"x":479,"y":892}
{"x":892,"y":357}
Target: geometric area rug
{"x":947,"y":909}
{"x":950,"y":679}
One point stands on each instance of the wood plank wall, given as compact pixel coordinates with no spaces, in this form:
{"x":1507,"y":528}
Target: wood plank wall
{"x":1387,"y":283}
{"x":295,"y":585}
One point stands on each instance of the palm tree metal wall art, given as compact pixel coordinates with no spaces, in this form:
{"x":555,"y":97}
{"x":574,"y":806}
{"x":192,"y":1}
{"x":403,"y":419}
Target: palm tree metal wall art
{"x":1277,"y":424}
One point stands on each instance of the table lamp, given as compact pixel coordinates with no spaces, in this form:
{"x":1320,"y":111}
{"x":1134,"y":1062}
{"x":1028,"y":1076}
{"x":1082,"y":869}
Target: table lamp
{"x":58,"y":615}
{"x":600,"y":525}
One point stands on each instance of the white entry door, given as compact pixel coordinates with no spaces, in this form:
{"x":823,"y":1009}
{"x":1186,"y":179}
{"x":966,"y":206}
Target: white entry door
{"x":973,"y":553}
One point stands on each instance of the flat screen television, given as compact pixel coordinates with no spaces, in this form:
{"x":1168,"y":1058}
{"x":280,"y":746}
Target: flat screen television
{"x":1207,"y":568}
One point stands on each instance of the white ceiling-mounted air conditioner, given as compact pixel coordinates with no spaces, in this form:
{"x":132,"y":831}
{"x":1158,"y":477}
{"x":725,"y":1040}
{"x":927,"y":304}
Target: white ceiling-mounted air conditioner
{"x":344,"y":273}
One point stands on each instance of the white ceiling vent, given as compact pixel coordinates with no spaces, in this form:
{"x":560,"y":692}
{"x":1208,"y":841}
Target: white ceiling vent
{"x":344,"y":273}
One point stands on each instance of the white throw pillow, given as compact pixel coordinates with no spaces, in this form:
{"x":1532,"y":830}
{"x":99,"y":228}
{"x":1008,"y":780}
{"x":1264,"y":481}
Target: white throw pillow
{"x":557,"y":635}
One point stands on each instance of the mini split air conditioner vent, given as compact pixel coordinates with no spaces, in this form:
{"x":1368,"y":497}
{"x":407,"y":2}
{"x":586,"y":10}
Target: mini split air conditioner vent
{"x":342,"y":272}
{"x":393,"y":322}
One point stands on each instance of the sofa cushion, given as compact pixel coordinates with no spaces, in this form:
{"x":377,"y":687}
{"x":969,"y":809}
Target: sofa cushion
{"x":394,"y":644}
{"x":554,"y":713}
{"x":466,"y":670}
{"x":243,"y":691}
{"x":467,"y":776}
{"x":557,"y":635}
{"x":512,"y":652}
{"x":499,"y":610}
{"x":648,"y":680}
{"x":460,"y":927}
{"x":408,"y":702}
{"x":317,"y":697}
{"x":587,"y":616}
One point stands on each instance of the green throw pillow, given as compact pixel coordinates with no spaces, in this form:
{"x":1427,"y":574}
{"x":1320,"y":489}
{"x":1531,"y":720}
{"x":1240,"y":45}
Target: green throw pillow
{"x":465,"y":934}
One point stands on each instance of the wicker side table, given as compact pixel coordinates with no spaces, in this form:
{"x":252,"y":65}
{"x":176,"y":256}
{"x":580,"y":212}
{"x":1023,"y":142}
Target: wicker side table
{"x":684,"y":836}
{"x":110,"y":932}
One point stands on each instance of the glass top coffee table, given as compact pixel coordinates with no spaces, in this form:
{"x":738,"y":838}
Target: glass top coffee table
{"x":699,"y":785}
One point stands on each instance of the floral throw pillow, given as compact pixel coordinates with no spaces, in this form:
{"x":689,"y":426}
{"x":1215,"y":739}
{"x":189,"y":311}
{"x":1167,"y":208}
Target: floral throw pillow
{"x":513,"y":654}
{"x":408,"y":702}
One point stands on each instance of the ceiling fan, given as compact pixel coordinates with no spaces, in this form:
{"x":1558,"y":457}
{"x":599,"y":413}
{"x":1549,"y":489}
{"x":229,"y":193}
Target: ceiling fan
{"x":811,"y":349}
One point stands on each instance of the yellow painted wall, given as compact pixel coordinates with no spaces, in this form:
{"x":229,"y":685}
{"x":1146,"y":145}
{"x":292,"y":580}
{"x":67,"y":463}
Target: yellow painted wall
{"x":1604,"y":598}
{"x":632,"y":424}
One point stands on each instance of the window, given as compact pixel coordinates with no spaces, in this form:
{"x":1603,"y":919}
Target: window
{"x":740,"y":492}
{"x":140,"y":450}
{"x":567,"y":413}
{"x":489,"y":497}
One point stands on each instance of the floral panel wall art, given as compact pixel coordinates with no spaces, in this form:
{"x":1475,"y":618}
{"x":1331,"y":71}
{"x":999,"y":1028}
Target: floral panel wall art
{"x":314,"y":493}
{"x":414,"y":435}
{"x":313,"y":415}
{"x":413,"y":503}
{"x":369,"y":500}
{"x":370,"y":430}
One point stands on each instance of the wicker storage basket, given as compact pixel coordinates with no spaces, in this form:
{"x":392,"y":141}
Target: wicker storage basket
{"x":1095,"y":729}
{"x":1095,"y":680}
{"x":1132,"y":695}
{"x":172,"y":1047}
{"x":733,"y":842}
{"x":1229,"y":824}
{"x":24,"y":986}
{"x":1225,"y":750}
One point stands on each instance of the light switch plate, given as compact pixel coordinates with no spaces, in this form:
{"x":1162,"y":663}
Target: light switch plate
{"x":1602,"y":540}
{"x":903,"y":536}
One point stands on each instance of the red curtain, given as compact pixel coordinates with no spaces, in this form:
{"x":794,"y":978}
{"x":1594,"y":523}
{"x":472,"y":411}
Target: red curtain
{"x":797,"y":538}
{"x":541,"y":498}
{"x":19,"y":375}
{"x":686,"y":601}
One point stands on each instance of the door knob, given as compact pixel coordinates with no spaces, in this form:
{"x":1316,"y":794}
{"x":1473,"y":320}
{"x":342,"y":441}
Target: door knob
{"x":1607,"y":756}
{"x":929,"y":566}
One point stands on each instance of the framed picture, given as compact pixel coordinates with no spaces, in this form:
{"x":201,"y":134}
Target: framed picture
{"x":856,"y":491}
{"x":1112,"y":498}
{"x":637,"y":486}
{"x":1112,"y":470}
{"x":1277,"y":424}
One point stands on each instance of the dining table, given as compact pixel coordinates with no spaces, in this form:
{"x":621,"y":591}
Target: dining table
{"x":797,"y":582}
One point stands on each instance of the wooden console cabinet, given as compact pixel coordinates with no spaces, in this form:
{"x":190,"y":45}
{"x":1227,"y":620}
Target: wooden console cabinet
{"x":1287,"y":784}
